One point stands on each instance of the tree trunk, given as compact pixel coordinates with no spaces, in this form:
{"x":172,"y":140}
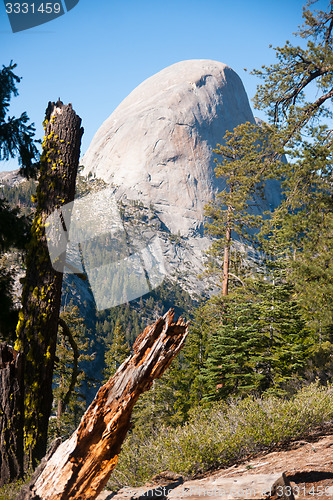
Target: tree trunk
{"x":38,"y":320}
{"x":226,"y":257}
{"x":80,"y":467}
{"x":11,"y":414}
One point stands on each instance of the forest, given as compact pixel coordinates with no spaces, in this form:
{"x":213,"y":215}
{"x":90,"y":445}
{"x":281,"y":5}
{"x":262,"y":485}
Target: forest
{"x":259,"y":350}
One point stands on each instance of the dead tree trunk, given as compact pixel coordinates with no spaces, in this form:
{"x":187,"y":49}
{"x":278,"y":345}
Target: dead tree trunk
{"x":11,"y":414}
{"x":38,"y":320}
{"x":81,"y":466}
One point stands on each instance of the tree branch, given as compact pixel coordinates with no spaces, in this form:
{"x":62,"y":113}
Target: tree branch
{"x":74,"y":375}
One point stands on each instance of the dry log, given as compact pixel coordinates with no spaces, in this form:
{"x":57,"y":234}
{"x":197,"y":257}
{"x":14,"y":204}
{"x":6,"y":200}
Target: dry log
{"x":80,"y":467}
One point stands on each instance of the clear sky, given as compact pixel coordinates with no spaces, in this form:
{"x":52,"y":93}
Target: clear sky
{"x":97,"y":53}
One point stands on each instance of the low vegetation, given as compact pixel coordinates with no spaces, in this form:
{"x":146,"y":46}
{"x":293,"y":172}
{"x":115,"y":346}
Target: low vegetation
{"x":221,"y":434}
{"x":216,"y":436}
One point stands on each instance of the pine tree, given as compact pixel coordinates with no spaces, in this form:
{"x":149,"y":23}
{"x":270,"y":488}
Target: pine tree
{"x":206,"y":319}
{"x":71,"y":354}
{"x":117,"y":351}
{"x":16,"y":141}
{"x":283,"y":93}
{"x":300,"y":228}
{"x":234,"y":214}
{"x":16,"y":134}
{"x":282,"y":325}
{"x":233,"y":352}
{"x":261,"y":344}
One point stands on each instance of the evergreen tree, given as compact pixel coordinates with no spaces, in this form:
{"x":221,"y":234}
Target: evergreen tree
{"x":16,"y":134}
{"x":284,"y":93}
{"x":282,"y":327}
{"x":16,"y":140}
{"x":206,"y":319}
{"x":261,"y":344}
{"x":116,"y":353}
{"x":235,"y":349}
{"x":302,"y":226}
{"x":71,"y":354}
{"x":233,"y":215}
{"x":300,"y":229}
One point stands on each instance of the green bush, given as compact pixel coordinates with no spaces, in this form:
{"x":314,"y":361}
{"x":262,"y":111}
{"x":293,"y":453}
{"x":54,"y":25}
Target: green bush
{"x":222,"y":433}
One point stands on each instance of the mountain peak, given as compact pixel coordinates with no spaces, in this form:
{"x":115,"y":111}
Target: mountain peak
{"x":157,"y":145}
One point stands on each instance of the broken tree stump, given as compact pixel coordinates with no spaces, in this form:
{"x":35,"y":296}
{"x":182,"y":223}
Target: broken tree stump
{"x":81,"y":466}
{"x":41,"y":297}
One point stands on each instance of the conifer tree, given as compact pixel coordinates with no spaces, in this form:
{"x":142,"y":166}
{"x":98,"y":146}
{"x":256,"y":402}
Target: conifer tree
{"x":297,"y":94}
{"x":300,"y":229}
{"x":234,"y":214}
{"x":283,"y":94}
{"x":234,"y":350}
{"x":117,"y":351}
{"x":16,"y":134}
{"x":16,"y":141}
{"x":261,"y":344}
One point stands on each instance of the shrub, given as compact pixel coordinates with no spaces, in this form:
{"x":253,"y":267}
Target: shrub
{"x":222,"y":433}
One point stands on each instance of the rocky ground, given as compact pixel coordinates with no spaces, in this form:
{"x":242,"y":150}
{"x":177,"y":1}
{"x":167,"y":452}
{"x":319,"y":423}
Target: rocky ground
{"x":302,"y":471}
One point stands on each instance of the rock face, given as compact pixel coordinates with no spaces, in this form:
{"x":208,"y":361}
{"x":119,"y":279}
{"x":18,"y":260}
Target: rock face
{"x":12,"y":178}
{"x":157,"y":145}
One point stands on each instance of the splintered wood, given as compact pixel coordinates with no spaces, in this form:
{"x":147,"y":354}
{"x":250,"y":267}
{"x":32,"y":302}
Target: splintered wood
{"x":79,"y":468}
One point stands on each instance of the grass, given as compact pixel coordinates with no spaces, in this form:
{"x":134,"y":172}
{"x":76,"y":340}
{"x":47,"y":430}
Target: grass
{"x":222,"y":434}
{"x":10,"y":491}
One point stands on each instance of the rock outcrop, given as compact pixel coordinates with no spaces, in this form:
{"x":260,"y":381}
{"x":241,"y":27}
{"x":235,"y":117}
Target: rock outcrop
{"x":157,"y":147}
{"x":154,"y":156}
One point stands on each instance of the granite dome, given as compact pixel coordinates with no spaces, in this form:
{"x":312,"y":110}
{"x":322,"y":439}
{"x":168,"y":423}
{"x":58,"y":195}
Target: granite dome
{"x":157,"y":148}
{"x":157,"y":145}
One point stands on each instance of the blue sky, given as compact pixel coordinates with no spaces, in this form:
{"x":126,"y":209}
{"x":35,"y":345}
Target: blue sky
{"x":97,"y":53}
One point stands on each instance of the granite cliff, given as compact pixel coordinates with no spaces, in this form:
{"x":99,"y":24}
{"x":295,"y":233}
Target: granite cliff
{"x":157,"y":148}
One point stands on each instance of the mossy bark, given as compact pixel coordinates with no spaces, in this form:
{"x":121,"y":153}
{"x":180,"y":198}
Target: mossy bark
{"x":11,"y":414}
{"x":38,"y":319}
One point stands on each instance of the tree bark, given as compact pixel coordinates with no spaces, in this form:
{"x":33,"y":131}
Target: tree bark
{"x":226,"y":256}
{"x":80,"y":467}
{"x":11,"y":414}
{"x":38,"y":320}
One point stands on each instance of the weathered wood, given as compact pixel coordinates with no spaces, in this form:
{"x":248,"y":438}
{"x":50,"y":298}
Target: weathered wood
{"x":11,"y":414}
{"x":81,"y":466}
{"x":38,"y":320}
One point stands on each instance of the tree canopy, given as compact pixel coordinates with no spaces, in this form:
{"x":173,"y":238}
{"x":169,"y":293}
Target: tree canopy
{"x":16,"y":134}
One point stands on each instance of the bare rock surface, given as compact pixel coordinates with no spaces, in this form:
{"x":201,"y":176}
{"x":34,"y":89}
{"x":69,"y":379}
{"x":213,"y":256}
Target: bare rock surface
{"x":157,"y":147}
{"x":307,"y":467}
{"x":12,"y":177}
